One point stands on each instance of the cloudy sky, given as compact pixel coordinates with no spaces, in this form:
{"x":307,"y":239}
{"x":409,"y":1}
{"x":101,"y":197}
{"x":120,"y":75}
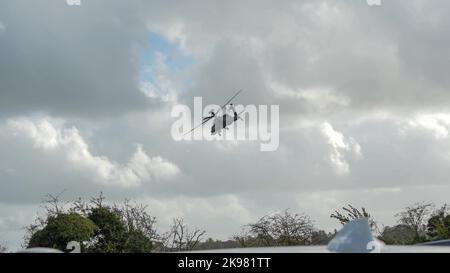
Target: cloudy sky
{"x":86,"y":94}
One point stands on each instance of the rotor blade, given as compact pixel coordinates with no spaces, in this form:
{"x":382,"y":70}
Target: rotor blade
{"x":228,"y":102}
{"x":239,"y":115}
{"x":207,"y":118}
{"x":242,"y":112}
{"x":205,"y":121}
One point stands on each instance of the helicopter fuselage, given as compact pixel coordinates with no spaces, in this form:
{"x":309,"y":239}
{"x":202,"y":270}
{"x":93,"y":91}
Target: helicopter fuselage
{"x":223,"y":122}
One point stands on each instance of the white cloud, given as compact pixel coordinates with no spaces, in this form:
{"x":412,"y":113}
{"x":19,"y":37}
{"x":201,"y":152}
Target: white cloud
{"x":51,"y":135}
{"x":319,"y":98}
{"x":438,"y":124}
{"x":340,"y":146}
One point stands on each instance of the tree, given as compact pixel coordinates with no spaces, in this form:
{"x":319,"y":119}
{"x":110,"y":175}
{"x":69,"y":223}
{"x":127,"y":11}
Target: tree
{"x":438,"y":225}
{"x":415,"y":217}
{"x":52,"y":206}
{"x":110,"y":233}
{"x":351,"y":213}
{"x":320,"y":237}
{"x":103,"y":228}
{"x":114,"y":234}
{"x":137,"y":219}
{"x":181,"y":237}
{"x":137,"y":242}
{"x":398,"y":235}
{"x":126,"y":228}
{"x":61,"y":229}
{"x":245,"y":239}
{"x":280,"y":229}
{"x":210,"y":243}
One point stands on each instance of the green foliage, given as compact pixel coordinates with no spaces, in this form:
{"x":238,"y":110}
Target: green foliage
{"x":112,"y":235}
{"x":100,"y":228}
{"x":110,"y":232}
{"x":419,"y":223}
{"x":320,"y":237}
{"x":137,"y":242}
{"x":438,"y":226}
{"x":61,"y":229}
{"x":398,"y":235}
{"x":130,"y":228}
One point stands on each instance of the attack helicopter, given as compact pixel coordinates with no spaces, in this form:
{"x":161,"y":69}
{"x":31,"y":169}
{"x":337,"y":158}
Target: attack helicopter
{"x":224,"y":120}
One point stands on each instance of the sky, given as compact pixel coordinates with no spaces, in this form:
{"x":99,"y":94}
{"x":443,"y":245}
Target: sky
{"x":86,"y":94}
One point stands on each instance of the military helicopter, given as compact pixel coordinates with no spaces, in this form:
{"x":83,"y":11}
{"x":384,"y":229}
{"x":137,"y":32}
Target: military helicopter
{"x":221,"y":121}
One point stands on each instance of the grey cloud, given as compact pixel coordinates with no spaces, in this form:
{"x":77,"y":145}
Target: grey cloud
{"x":391,"y":56}
{"x":70,"y":60}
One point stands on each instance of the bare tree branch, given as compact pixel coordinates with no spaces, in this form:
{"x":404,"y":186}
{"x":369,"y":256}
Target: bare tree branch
{"x":182,"y":237}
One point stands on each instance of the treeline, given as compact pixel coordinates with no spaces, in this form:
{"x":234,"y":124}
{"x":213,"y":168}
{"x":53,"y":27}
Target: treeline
{"x":282,"y":229}
{"x":128,"y":227}
{"x":417,"y":223}
{"x":107,"y":228}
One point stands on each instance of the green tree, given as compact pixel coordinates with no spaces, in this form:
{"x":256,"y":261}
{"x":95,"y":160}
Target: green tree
{"x":113,"y":234}
{"x":398,"y":235}
{"x":110,"y":233}
{"x":105,"y":229}
{"x":137,"y":242}
{"x":320,"y":237}
{"x":438,"y":226}
{"x":61,"y":229}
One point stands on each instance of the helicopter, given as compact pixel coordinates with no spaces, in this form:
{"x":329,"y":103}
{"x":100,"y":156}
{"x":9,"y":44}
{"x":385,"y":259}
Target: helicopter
{"x":223,"y":121}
